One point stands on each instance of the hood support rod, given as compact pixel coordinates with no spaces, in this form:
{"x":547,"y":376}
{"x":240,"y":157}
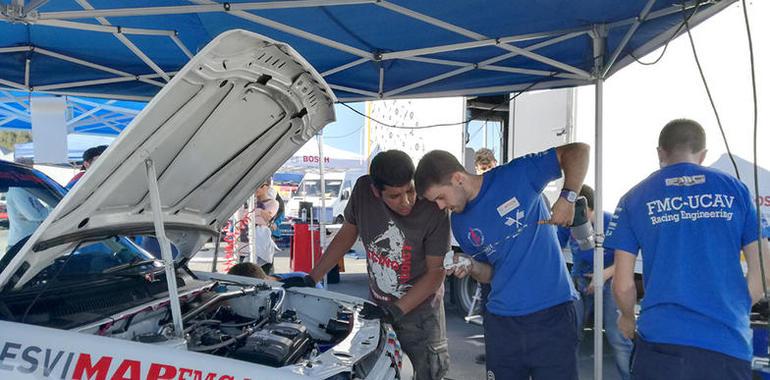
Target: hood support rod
{"x":165,"y":248}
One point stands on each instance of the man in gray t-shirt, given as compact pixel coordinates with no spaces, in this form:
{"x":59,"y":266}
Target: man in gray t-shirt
{"x":405,"y":240}
{"x":396,"y":245}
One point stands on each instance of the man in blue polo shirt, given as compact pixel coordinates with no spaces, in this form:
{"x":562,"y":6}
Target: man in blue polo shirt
{"x":500,"y":219}
{"x":691,"y":224}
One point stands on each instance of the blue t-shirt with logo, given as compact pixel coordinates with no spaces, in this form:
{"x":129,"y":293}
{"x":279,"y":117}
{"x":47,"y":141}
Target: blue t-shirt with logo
{"x":690,"y":223}
{"x":583,"y":260}
{"x":500,"y":226}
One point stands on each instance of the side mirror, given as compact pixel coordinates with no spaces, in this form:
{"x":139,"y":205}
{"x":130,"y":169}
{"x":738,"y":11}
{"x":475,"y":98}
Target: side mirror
{"x":345,"y":194}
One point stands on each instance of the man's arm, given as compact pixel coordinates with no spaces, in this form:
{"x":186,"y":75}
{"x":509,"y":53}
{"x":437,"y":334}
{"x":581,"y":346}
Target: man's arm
{"x":30,"y":207}
{"x":608,"y":273}
{"x":754,"y":271}
{"x":426,"y":285}
{"x":624,"y":290}
{"x":573,"y":160}
{"x":341,"y":244}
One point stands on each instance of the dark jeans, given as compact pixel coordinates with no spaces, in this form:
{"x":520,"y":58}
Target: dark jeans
{"x":422,"y":334}
{"x":540,"y":346}
{"x":652,"y":361}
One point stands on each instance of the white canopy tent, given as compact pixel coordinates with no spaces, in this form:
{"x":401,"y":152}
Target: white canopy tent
{"x":309,"y":157}
{"x":746,"y":172}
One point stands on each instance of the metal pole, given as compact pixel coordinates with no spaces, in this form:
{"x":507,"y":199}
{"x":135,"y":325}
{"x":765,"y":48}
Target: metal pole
{"x":310,"y":229}
{"x":486,"y":142}
{"x":165,"y":248}
{"x":252,"y":213}
{"x":511,"y":135}
{"x":599,"y":40}
{"x":216,"y":250}
{"x":322,"y":211}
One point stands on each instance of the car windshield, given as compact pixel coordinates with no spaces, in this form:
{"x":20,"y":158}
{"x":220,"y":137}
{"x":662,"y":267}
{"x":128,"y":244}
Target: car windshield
{"x":26,"y":199}
{"x":99,"y":257}
{"x":312,"y":188}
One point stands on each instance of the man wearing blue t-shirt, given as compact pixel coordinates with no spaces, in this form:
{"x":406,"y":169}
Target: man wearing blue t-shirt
{"x":691,"y":224}
{"x":501,"y":221}
{"x":582,"y":276}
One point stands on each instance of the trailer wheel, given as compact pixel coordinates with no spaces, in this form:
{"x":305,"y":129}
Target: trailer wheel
{"x":463,"y":290}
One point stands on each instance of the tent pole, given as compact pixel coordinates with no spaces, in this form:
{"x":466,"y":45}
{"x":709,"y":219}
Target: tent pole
{"x":322,"y":210}
{"x":252,"y":213}
{"x":599,"y":36}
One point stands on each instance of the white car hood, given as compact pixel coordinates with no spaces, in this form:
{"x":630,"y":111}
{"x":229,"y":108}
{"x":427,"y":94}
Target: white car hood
{"x":232,"y":116}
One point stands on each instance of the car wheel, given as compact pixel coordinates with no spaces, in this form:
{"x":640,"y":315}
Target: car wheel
{"x":463,"y":290}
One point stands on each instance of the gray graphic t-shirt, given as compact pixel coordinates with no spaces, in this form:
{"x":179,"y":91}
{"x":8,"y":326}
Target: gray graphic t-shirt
{"x":396,"y":245}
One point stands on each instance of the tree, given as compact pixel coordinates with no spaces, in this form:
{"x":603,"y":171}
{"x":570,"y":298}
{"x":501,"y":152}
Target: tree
{"x":9,"y":138}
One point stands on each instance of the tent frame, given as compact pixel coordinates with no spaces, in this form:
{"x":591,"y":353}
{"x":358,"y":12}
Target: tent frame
{"x":565,"y":75}
{"x":14,"y":107}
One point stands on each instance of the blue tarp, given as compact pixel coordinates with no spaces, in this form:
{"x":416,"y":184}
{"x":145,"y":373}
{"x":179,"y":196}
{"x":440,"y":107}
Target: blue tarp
{"x":287,"y":178}
{"x":364,"y":34}
{"x":84,"y":115}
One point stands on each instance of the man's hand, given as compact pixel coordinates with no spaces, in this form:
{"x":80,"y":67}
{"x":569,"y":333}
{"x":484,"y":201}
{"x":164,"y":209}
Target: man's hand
{"x":298,"y":282}
{"x":627,"y":326}
{"x":608,"y":273}
{"x":562,"y":213}
{"x":387,"y":312}
{"x":461,"y":266}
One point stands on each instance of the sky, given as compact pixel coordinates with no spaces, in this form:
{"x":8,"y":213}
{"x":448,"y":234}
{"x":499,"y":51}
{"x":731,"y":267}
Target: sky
{"x":639,"y":100}
{"x":346,"y":132}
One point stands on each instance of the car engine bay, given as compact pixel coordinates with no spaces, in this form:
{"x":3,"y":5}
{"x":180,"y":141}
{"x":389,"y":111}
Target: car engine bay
{"x":247,"y":323}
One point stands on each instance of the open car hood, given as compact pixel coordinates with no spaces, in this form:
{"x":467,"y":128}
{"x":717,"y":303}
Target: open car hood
{"x":232,"y":116}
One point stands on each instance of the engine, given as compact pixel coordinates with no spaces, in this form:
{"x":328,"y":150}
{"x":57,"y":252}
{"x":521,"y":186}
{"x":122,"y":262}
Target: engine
{"x":243,"y":323}
{"x":277,"y":344}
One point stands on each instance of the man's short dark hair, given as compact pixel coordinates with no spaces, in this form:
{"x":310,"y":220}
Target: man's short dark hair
{"x":435,"y":168}
{"x":93,"y":152}
{"x":588,"y":192}
{"x":392,"y":168}
{"x":248,"y":270}
{"x":682,"y":135}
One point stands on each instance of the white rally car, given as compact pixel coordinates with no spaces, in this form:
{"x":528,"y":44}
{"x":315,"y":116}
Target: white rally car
{"x":79,"y":299}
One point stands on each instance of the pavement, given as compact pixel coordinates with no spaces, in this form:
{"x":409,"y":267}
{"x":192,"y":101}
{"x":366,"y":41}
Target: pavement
{"x":466,"y":341}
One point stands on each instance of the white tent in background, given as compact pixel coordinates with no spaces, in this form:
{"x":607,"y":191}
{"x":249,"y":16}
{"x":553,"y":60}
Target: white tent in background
{"x":746,"y":170}
{"x":308,"y":158}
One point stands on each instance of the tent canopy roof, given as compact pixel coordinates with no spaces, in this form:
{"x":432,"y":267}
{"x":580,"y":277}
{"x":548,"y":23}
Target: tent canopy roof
{"x":93,"y":116}
{"x":365,"y":49}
